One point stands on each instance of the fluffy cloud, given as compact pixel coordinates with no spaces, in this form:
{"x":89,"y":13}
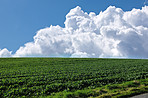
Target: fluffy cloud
{"x":5,"y":53}
{"x":112,"y":33}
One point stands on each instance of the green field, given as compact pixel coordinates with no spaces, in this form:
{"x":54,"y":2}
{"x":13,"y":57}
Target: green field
{"x":46,"y":76}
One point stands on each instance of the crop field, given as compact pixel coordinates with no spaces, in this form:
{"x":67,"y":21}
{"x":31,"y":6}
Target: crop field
{"x":44,"y":76}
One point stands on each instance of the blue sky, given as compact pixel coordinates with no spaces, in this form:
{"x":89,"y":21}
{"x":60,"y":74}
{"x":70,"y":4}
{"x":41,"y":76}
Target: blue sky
{"x":20,"y":19}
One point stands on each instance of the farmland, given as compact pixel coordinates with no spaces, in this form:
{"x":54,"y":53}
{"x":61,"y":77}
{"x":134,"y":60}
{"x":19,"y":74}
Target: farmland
{"x":45,"y":76}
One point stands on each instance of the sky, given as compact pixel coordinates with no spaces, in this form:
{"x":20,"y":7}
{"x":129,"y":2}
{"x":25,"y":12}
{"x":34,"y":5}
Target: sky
{"x":21,"y":21}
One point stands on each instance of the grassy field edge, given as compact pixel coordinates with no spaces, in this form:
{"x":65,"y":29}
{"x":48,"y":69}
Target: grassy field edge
{"x":126,"y":89}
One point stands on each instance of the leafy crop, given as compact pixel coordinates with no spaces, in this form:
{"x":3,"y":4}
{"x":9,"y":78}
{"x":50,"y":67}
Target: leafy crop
{"x":44,"y":76}
{"x":122,"y":90}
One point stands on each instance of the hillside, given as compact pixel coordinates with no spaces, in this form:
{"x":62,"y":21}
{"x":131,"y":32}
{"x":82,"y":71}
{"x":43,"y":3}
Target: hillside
{"x":46,"y":76}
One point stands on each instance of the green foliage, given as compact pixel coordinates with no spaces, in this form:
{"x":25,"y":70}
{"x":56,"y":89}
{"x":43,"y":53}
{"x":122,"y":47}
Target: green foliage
{"x":115,"y":90}
{"x":46,"y":76}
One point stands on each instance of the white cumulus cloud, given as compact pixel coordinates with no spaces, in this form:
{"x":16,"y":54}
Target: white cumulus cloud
{"x":5,"y":53}
{"x":111,"y":33}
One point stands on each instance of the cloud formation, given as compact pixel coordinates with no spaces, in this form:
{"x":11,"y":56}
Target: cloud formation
{"x":112,"y":33}
{"x":5,"y":53}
